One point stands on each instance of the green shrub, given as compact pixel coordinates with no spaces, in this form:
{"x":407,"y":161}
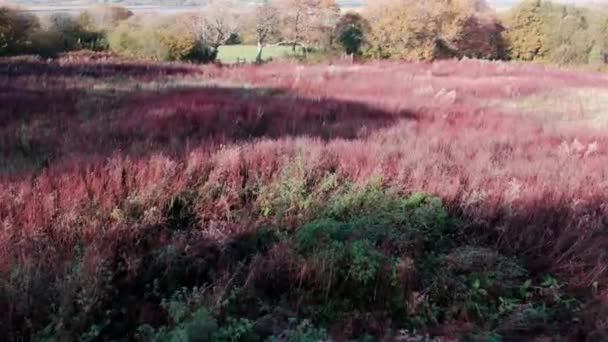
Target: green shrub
{"x":291,"y":194}
{"x":69,"y":29}
{"x":363,"y":240}
{"x":165,"y":41}
{"x":478,"y":282}
{"x":235,"y":330}
{"x":24,"y":34}
{"x":199,"y":325}
{"x":305,"y":332}
{"x":188,"y":321}
{"x":15,"y":30}
{"x":133,"y":37}
{"x":63,"y":33}
{"x":351,"y":31}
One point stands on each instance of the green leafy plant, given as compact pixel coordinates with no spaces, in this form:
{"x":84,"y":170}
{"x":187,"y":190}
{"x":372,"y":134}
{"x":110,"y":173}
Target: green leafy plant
{"x":305,"y":331}
{"x":235,"y":330}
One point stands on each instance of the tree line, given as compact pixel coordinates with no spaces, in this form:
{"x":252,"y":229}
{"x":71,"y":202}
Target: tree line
{"x":535,"y":30}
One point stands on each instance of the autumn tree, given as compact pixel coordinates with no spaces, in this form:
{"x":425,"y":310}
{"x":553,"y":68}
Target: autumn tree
{"x":528,"y":24}
{"x":265,"y":23}
{"x":431,"y":29}
{"x":598,"y":33}
{"x":556,"y":33}
{"x":569,"y":41}
{"x":324,"y":23}
{"x":480,"y":37}
{"x":103,"y":17}
{"x":215,"y":24}
{"x":294,"y":20}
{"x":308,"y":23}
{"x":159,"y":38}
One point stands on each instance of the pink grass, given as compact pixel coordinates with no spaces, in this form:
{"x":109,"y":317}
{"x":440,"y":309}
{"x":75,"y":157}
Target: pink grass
{"x":523,"y":183}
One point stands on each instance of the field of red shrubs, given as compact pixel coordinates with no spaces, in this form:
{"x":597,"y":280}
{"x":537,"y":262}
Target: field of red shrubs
{"x":103,"y":164}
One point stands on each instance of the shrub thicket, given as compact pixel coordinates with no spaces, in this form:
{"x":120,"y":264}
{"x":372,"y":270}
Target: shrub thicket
{"x":73,"y":34}
{"x":22,"y":33}
{"x":168,"y":40}
{"x":15,"y":30}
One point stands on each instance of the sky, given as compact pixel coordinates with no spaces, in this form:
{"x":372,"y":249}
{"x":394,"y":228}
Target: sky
{"x":509,"y":3}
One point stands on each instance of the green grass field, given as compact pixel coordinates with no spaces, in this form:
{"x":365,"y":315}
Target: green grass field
{"x":233,"y":53}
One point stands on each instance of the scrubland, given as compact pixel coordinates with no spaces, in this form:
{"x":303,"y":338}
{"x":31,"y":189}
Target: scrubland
{"x":387,"y":200}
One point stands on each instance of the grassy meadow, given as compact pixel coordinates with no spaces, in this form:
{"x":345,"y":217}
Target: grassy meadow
{"x":230,"y":54}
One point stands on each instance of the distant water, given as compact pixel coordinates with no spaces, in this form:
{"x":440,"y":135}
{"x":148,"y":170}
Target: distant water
{"x":345,"y":4}
{"x":42,"y":10}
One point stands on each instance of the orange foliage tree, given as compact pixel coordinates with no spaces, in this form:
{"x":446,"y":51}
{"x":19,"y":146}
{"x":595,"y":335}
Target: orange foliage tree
{"x":433,"y":29}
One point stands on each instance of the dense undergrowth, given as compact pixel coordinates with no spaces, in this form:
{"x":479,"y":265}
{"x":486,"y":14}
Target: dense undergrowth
{"x":359,"y":262}
{"x":291,"y":203}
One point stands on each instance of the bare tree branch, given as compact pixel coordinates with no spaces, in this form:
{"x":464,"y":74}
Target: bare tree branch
{"x":216,"y":23}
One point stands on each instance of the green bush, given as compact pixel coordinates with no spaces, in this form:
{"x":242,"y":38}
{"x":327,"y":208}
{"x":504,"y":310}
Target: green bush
{"x":165,"y":41}
{"x":66,"y":33}
{"x":199,"y":325}
{"x":134,"y":38}
{"x":306,"y":332}
{"x":24,"y":34}
{"x":363,"y":243}
{"x":15,"y":30}
{"x":69,"y":29}
{"x":351,"y":31}
{"x":190,"y":322}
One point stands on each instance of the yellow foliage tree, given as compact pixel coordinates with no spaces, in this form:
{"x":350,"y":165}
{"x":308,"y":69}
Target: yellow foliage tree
{"x":426,"y":30}
{"x":528,"y":24}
